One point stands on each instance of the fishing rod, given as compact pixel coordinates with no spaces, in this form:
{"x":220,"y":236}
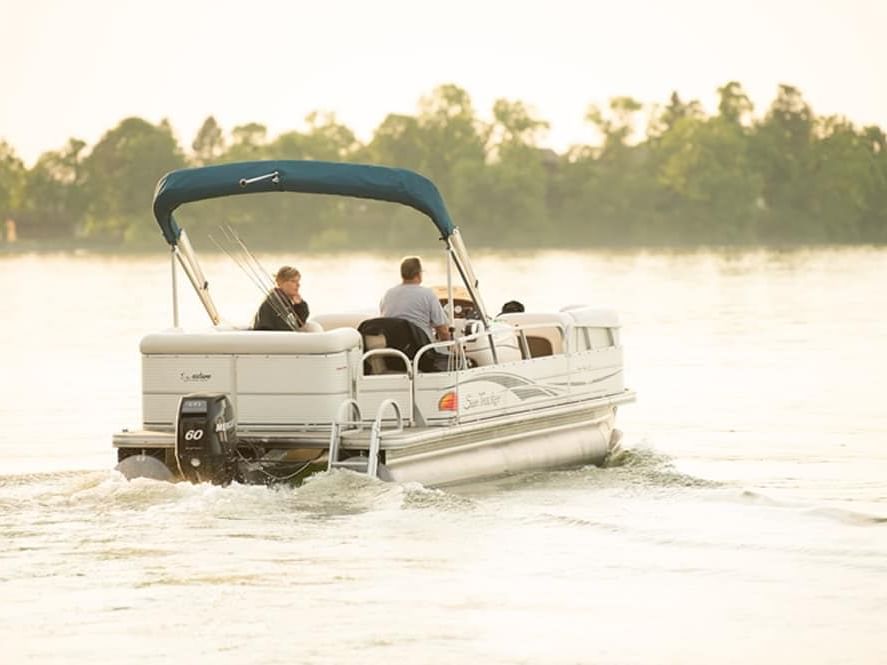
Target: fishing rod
{"x":260,"y":275}
{"x":255,"y":274}
{"x":239,"y":264}
{"x":260,"y":272}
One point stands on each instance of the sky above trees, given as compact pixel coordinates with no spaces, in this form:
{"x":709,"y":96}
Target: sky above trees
{"x":75,"y":69}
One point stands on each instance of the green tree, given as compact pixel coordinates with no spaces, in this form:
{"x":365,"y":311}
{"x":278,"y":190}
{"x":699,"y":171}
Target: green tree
{"x":665,"y":118}
{"x":511,"y":189}
{"x":782,"y":152}
{"x":248,"y":142}
{"x":329,"y":139}
{"x":617,"y":126}
{"x":615,"y":203}
{"x":209,"y":144}
{"x":510,"y":197}
{"x":326,"y":139}
{"x":12,"y":179}
{"x":514,"y":124}
{"x":54,"y":189}
{"x":843,"y":182}
{"x":728,"y":177}
{"x":451,"y":144}
{"x":873,"y":225}
{"x":121,"y":173}
{"x":397,"y":142}
{"x":734,"y":106}
{"x":706,"y":163}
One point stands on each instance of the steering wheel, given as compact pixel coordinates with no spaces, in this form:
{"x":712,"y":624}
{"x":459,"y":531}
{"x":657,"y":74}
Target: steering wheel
{"x":462,"y":309}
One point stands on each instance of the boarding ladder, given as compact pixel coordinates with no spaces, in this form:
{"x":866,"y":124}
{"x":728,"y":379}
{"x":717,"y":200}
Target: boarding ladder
{"x":368,"y":464}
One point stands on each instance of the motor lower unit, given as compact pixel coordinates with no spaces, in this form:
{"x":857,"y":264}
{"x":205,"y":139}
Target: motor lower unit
{"x":206,"y":438}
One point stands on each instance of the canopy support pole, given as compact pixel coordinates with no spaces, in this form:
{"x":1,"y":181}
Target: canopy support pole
{"x":463,"y":265}
{"x":192,"y":269}
{"x":450,"y":308}
{"x":175,"y":291}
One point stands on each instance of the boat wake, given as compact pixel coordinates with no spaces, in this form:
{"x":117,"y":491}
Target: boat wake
{"x":843,"y":515}
{"x":324,"y":495}
{"x":628,"y":468}
{"x":342,"y":492}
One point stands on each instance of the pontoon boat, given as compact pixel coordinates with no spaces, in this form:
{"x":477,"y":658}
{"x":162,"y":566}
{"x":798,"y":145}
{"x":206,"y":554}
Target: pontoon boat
{"x":516,"y":392}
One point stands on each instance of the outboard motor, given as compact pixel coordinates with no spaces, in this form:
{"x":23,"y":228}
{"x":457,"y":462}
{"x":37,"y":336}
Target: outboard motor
{"x":206,"y":438}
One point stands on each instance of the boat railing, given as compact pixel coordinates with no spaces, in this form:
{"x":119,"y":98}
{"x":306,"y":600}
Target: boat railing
{"x":376,"y":435}
{"x":341,"y":423}
{"x":519,"y":329}
{"x":377,"y":353}
{"x":457,"y":360}
{"x":359,"y":463}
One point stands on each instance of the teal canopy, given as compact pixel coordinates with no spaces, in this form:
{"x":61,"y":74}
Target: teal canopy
{"x":363,"y":181}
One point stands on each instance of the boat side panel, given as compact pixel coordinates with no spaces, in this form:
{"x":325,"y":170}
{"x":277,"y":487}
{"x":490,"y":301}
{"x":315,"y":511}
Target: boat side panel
{"x":183,"y":374}
{"x":494,"y":389}
{"x":159,"y":411}
{"x":294,"y":409}
{"x":372,"y":390}
{"x":597,"y":372}
{"x":166,"y":378}
{"x":293,"y":374}
{"x":291,"y":390}
{"x":264,"y":389}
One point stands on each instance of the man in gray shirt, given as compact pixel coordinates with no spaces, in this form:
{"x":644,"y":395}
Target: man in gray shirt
{"x":414,"y":302}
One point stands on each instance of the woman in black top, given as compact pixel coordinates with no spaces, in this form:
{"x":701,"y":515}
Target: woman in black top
{"x":284,"y":308}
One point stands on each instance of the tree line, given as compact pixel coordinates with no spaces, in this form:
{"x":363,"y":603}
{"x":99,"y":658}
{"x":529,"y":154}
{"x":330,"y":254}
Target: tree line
{"x":661,"y":174}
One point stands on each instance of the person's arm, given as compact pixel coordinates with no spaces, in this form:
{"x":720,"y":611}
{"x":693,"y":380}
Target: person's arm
{"x":302,"y":311}
{"x":439,"y":320}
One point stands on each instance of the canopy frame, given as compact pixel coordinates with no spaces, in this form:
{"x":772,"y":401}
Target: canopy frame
{"x":381,"y":183}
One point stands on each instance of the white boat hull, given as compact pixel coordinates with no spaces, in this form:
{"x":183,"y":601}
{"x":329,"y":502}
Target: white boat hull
{"x":498,"y":453}
{"x":565,"y":436}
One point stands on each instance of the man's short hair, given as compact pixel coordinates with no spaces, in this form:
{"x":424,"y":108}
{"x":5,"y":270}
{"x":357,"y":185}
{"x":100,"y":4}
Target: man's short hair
{"x":410,"y":267}
{"x":286,"y":273}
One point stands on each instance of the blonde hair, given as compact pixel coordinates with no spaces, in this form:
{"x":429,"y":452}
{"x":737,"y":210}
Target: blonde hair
{"x":286,"y":273}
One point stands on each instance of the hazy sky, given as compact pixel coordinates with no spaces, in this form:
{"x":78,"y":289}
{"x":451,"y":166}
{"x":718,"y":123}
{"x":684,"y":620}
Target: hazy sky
{"x":75,"y":69}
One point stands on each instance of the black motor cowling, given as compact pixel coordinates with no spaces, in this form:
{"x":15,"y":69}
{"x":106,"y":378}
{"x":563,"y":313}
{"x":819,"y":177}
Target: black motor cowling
{"x":206,"y":438}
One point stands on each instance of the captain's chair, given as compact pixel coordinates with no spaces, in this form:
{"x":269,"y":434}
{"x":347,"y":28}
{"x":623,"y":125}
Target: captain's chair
{"x":403,"y":335}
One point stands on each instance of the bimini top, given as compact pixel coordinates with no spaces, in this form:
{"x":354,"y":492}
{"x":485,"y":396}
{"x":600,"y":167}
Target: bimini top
{"x":363,"y":181}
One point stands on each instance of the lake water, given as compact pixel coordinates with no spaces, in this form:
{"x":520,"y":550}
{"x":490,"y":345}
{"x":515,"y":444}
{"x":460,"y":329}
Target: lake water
{"x":745,"y":523}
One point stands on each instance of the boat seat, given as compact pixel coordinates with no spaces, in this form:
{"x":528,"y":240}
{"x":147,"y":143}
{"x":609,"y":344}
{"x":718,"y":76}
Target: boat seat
{"x":244,"y":342}
{"x":539,"y":346}
{"x":310,"y":326}
{"x":403,"y":335}
{"x":341,"y":319}
{"x":542,"y":341}
{"x":378,"y":364}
